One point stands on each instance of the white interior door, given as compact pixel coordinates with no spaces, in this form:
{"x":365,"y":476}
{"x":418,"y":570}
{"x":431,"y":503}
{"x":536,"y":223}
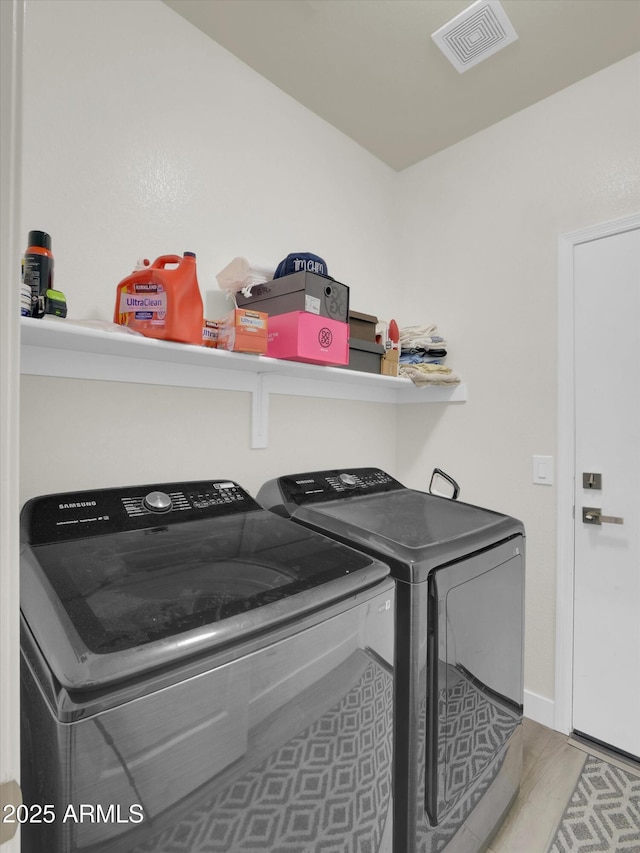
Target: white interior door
{"x":606,"y":652}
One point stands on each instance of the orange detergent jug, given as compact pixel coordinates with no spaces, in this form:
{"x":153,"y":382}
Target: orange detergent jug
{"x":162,"y":302}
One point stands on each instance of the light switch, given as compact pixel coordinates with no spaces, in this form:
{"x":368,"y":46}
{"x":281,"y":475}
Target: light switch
{"x":543,"y":470}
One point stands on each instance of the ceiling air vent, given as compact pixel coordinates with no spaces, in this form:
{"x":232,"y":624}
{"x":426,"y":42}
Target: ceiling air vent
{"x":480,"y":31}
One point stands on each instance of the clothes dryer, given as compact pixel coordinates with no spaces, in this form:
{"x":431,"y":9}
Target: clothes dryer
{"x":200,"y":675}
{"x":459,"y":573}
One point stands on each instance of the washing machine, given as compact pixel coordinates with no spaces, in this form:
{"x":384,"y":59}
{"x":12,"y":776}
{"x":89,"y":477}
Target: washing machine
{"x":459,"y":572}
{"x":199,"y":674}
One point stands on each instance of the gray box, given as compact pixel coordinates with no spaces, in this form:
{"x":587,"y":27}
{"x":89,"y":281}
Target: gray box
{"x":300,"y":291}
{"x":364,"y":356}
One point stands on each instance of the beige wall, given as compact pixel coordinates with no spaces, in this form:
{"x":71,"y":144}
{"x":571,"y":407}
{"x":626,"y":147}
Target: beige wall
{"x":151,"y":140}
{"x":116,"y":434}
{"x":480,"y":223}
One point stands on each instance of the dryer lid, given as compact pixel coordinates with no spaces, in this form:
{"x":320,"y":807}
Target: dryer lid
{"x":412,"y":530}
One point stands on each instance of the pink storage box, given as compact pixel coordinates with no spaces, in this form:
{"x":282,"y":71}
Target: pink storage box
{"x":302,"y":336}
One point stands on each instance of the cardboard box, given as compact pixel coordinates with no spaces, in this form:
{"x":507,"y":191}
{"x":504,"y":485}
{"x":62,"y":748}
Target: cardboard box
{"x":363,"y":326}
{"x":242,"y":330}
{"x":390,"y":362}
{"x":300,"y":291}
{"x":301,"y":336}
{"x":210,"y":333}
{"x":365,"y":356}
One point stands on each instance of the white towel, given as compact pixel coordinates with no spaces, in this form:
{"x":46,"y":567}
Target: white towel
{"x":426,"y":337}
{"x":429,"y":374}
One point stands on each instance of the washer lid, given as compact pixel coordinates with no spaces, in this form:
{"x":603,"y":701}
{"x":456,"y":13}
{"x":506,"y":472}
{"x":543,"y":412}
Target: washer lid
{"x":105,"y":607}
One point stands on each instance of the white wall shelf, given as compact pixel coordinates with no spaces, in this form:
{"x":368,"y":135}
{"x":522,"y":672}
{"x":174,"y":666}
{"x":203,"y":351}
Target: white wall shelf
{"x":52,"y":347}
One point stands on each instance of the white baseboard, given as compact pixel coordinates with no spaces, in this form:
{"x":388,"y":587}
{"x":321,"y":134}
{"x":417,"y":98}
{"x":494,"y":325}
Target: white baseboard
{"x":539,"y":708}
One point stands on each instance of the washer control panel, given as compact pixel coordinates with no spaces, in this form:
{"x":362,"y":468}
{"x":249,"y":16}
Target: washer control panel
{"x":210,"y":497}
{"x":320,"y":486}
{"x":77,"y":515}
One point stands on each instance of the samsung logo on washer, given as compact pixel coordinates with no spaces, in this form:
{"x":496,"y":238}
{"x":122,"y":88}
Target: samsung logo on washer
{"x":77,"y":505}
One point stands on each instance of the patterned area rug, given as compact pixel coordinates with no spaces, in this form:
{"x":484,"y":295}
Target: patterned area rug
{"x":327,"y":790}
{"x":603,"y":813}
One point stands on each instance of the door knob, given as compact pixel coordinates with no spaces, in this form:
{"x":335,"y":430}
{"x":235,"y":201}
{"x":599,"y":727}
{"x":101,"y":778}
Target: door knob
{"x":593,"y":515}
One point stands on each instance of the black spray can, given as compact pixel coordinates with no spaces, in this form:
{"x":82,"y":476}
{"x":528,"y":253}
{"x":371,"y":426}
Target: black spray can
{"x":38,"y":270}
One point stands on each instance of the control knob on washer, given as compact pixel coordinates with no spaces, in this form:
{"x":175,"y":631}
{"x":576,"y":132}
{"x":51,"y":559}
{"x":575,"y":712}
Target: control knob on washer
{"x":157,"y":502}
{"x":349,"y":480}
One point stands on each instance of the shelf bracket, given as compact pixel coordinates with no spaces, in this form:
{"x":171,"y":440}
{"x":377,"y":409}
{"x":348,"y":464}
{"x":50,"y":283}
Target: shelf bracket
{"x":260,"y":413}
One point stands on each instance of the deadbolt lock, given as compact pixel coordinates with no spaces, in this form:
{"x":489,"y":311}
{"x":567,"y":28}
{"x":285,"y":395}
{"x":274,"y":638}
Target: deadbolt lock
{"x":593,"y":515}
{"x":592,"y":481}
